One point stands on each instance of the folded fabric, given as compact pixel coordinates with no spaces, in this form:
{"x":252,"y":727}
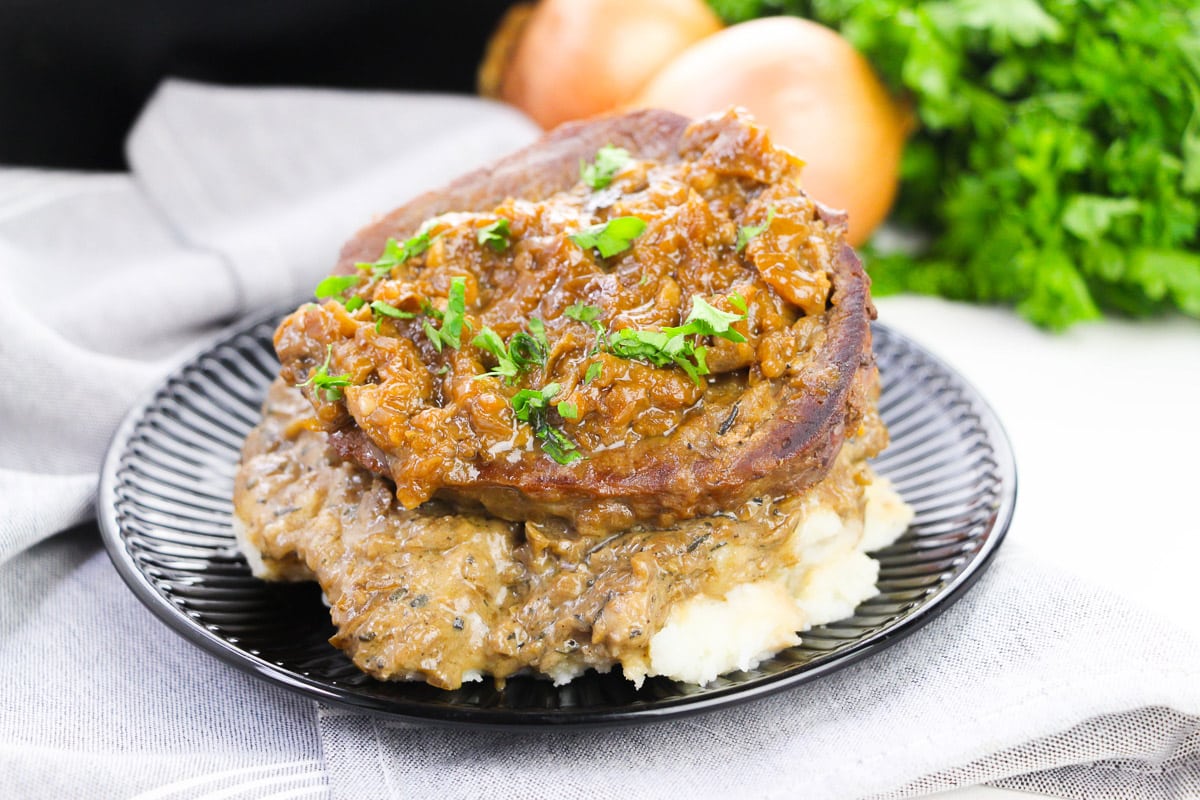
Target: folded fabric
{"x":239,"y":200}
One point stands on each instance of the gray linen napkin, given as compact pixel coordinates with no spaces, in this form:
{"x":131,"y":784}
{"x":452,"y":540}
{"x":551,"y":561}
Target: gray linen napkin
{"x":1037,"y":679}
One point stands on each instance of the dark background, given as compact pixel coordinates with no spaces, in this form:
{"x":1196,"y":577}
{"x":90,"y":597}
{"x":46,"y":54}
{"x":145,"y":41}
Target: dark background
{"x":74,"y":74}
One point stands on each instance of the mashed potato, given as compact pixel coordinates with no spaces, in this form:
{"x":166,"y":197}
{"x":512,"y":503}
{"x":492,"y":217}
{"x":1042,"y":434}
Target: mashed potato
{"x":705,"y":637}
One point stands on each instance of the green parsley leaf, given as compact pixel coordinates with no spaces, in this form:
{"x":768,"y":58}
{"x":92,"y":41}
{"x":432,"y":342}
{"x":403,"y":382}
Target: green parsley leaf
{"x":531,"y":406}
{"x":490,"y":341}
{"x":336,"y":286}
{"x":453,"y":318}
{"x":430,"y":310}
{"x":567,"y":410}
{"x":672,"y":347}
{"x":395,"y":254}
{"x":527,"y":351}
{"x":583,"y":313}
{"x":523,"y":352}
{"x":609,"y":161}
{"x":589,"y":315}
{"x":612,"y":237}
{"x":388,"y":310}
{"x":496,"y":236}
{"x":748,"y":232}
{"x":326,"y":385}
{"x":737,"y":301}
{"x":557,"y":444}
{"x":705,"y":320}
{"x":381,"y":309}
{"x":538,"y":329}
{"x":659,"y":349}
{"x":527,"y":402}
{"x":1027,"y":182}
{"x":593,"y":371}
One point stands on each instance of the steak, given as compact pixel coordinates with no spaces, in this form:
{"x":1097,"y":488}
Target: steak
{"x":604,"y":415}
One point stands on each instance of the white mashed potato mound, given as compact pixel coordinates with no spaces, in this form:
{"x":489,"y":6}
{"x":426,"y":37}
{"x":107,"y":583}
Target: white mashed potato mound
{"x":705,"y":637}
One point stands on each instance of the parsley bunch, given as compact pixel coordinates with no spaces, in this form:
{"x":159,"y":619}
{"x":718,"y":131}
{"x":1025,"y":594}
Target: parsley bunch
{"x":1058,"y":164}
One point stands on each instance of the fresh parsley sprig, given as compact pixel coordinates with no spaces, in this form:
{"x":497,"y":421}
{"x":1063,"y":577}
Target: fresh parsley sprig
{"x":381,"y":309}
{"x":661,"y":350}
{"x":748,"y":232}
{"x":327,"y":386}
{"x":612,"y":237}
{"x":452,"y":319}
{"x":671,"y":346}
{"x":584,"y":313}
{"x":533,"y":406}
{"x":600,"y":173}
{"x":496,"y":236}
{"x":490,"y":341}
{"x":523,"y":352}
{"x":336,"y":286}
{"x":706,"y":320}
{"x":588,"y":315}
{"x":395,"y":254}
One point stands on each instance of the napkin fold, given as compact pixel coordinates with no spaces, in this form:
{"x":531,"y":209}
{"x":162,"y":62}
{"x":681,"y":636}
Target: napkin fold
{"x":239,"y":199}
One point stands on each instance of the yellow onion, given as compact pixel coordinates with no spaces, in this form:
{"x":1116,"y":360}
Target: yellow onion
{"x":568,"y":59}
{"x":814,"y":92}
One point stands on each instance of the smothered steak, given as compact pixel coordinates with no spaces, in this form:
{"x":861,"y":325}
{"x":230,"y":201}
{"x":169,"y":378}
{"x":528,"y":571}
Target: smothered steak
{"x":636,"y":321}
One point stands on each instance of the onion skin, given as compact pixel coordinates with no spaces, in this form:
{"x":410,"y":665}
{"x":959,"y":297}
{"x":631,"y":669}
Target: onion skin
{"x":578,"y":58}
{"x":815,"y":93}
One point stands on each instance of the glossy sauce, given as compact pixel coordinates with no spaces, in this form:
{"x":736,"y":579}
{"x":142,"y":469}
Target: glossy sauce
{"x":438,"y":425}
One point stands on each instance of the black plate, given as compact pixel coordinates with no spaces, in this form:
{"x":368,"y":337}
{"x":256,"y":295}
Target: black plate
{"x":165,"y":513}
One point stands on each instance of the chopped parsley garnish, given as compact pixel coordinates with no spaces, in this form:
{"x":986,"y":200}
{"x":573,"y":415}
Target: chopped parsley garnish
{"x":538,"y":329}
{"x":381,"y":309}
{"x":588,"y":315}
{"x":453,"y":318}
{"x":523,"y":352}
{"x":528,"y":401}
{"x":609,"y":161}
{"x":336,"y":285}
{"x":487,"y":339}
{"x":395,"y":254}
{"x":737,"y":301}
{"x":705,"y":320}
{"x":593,"y":371}
{"x":583,"y":313}
{"x":528,"y":351}
{"x":532,"y":406}
{"x":326,"y":385}
{"x":496,"y":236}
{"x":567,"y":410}
{"x":661,"y":350}
{"x":748,"y":232}
{"x":670,"y":346}
{"x":612,"y":237}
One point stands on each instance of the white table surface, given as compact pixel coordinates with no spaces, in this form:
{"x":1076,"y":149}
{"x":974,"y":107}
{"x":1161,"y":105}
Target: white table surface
{"x":1102,"y":420}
